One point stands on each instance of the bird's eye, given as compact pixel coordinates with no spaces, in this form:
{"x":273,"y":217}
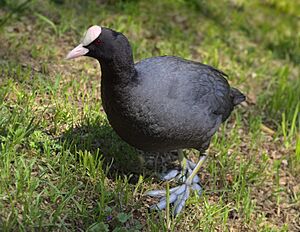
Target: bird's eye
{"x":98,"y":41}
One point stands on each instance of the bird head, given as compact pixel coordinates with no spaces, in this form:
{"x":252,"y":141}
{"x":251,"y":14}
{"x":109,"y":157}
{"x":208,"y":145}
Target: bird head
{"x":98,"y":42}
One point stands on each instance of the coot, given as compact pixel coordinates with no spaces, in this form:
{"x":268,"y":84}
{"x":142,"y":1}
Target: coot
{"x":160,"y":103}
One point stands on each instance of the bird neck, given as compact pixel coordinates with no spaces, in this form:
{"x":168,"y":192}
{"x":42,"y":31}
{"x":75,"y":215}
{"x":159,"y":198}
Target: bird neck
{"x":119,"y":69}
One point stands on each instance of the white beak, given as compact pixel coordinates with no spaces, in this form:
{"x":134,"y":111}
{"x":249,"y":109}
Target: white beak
{"x":77,"y":52}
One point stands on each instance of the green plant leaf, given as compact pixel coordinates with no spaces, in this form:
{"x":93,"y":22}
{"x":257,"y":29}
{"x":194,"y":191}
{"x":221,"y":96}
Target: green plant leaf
{"x":123,"y":217}
{"x":98,"y":226}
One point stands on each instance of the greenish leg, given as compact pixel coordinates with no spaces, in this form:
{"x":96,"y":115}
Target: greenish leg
{"x":189,"y":180}
{"x":183,"y":161}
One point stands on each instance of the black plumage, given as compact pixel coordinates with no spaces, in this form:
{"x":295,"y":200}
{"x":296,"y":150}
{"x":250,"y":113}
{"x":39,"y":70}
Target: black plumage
{"x":160,"y":103}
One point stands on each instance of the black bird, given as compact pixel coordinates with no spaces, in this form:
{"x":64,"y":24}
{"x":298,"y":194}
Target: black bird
{"x":160,"y":103}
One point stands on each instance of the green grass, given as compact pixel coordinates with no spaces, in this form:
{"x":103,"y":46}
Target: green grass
{"x":64,"y":169}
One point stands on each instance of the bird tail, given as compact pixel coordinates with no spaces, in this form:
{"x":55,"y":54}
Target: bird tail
{"x":237,"y":96}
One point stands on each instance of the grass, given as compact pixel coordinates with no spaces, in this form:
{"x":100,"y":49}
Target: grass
{"x":63,"y":168}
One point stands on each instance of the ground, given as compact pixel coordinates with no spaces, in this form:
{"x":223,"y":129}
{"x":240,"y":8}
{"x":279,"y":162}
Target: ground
{"x":64,"y":169}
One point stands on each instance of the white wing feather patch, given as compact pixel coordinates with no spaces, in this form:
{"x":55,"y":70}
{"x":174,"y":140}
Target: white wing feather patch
{"x":92,"y":33}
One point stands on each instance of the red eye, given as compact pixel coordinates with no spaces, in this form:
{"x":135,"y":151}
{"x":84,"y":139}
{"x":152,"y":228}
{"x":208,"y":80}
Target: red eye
{"x":98,"y":41}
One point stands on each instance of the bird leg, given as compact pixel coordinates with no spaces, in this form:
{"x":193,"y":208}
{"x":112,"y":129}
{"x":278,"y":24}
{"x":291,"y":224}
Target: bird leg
{"x":189,"y":181}
{"x":187,"y":167}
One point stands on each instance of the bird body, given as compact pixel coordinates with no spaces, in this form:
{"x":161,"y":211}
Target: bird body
{"x":169,"y":103}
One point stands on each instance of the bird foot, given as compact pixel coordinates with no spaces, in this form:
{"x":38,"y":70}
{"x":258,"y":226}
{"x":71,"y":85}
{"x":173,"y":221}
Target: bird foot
{"x":181,"y":176}
{"x":177,"y":195}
